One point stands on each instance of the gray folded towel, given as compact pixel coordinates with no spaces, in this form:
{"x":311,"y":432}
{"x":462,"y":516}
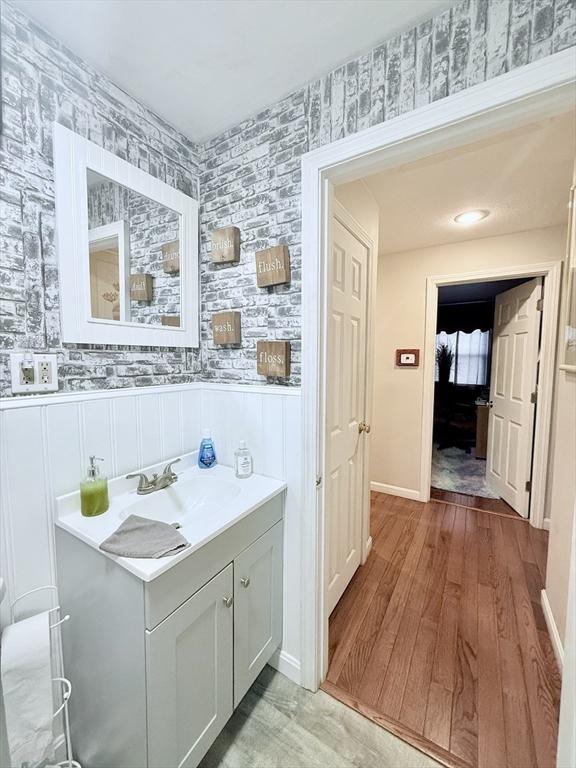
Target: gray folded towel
{"x":140,"y":537}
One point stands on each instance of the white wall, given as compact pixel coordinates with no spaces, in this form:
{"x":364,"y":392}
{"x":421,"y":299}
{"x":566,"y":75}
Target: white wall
{"x":45,"y":443}
{"x":561,"y":498}
{"x":400,"y":322}
{"x":361,"y":204}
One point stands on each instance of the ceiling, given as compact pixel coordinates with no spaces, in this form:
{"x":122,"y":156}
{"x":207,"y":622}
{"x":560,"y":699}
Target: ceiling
{"x":205,"y":65}
{"x":465,"y":293}
{"x":522,"y":177}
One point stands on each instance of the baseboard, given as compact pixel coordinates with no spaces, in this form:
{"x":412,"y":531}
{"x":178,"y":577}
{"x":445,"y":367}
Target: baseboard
{"x":552,"y":630}
{"x":396,"y":490}
{"x":367,"y":549}
{"x":287,"y":665}
{"x":546,"y":524}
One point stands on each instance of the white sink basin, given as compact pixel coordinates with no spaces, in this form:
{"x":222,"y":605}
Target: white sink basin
{"x":184,"y":500}
{"x":204,"y":502}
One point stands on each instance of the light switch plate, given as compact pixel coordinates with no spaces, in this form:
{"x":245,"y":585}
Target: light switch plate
{"x":44,"y":372}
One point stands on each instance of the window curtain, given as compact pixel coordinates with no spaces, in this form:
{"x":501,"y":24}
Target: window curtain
{"x":471,"y":351}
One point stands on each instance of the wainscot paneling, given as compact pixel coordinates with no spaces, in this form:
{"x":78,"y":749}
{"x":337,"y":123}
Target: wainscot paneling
{"x":46,"y":441}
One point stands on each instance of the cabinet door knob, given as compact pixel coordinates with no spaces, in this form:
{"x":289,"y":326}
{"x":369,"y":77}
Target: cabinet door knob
{"x":228,"y":601}
{"x":245,"y":582}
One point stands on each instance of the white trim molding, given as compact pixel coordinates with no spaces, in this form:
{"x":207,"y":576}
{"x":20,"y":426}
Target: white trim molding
{"x":396,"y":490}
{"x":287,"y":665}
{"x":552,"y":630}
{"x":527,"y":94}
{"x":551,"y":272}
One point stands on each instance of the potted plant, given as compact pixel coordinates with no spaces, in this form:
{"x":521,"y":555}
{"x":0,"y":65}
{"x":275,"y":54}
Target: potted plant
{"x":444,"y":361}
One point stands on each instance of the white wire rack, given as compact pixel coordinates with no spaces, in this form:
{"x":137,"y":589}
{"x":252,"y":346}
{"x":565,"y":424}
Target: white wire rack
{"x":65,"y":684}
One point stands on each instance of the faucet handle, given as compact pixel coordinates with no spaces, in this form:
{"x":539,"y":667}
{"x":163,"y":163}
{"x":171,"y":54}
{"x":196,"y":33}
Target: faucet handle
{"x":142,"y":481}
{"x":168,"y":467}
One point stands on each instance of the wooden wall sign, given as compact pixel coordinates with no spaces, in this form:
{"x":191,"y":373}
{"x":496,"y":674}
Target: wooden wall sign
{"x":141,"y":287}
{"x":171,"y":257}
{"x":171,"y":320}
{"x":273,"y":358}
{"x":408,"y":358}
{"x":272,"y":266}
{"x":225,"y":245}
{"x":227,"y":328}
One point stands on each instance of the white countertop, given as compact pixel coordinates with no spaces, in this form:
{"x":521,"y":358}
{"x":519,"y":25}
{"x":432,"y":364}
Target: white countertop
{"x":218,"y":500}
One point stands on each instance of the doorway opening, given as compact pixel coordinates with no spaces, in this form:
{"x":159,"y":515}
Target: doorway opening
{"x":415,"y":641}
{"x":473,"y":400}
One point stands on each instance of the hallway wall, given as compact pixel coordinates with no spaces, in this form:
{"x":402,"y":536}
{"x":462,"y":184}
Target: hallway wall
{"x":400,"y":322}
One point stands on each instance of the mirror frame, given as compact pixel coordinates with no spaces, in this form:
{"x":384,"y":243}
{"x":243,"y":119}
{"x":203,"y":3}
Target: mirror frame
{"x":74,"y":156}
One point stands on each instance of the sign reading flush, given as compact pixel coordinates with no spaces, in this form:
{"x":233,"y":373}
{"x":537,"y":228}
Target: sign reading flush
{"x":141,"y":287}
{"x":225,"y":245}
{"x":273,"y":358}
{"x":272,"y":266}
{"x":227,"y":328}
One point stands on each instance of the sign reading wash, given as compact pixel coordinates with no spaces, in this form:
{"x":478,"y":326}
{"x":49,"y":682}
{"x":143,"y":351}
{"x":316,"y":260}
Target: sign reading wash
{"x":227,"y":328}
{"x":273,"y":358}
{"x":272,"y":266}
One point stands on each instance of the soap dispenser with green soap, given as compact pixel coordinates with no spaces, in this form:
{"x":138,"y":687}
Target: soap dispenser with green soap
{"x":94,"y":491}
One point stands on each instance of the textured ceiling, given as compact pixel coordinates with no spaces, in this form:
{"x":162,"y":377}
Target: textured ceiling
{"x":522,"y":177}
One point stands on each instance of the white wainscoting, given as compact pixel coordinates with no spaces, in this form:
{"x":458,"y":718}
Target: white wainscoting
{"x":46,"y":441}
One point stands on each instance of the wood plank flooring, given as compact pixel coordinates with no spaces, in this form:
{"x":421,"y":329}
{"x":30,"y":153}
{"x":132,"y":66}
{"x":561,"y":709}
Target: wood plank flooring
{"x":280,"y":725}
{"x":480,"y":503}
{"x":440,"y":636}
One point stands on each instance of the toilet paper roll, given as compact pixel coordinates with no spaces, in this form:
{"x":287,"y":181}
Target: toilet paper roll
{"x":26,"y":673}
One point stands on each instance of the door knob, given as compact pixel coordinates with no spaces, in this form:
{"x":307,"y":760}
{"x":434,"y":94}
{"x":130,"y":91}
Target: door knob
{"x":228,"y":601}
{"x":363,"y":427}
{"x":245,"y":582}
{"x":367,"y":428}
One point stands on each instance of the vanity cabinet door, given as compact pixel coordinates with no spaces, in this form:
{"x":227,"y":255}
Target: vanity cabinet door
{"x":189,"y":676}
{"x":257,"y":608}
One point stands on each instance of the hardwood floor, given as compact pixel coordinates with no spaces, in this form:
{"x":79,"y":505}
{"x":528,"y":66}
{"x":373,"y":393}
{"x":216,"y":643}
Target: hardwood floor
{"x":440,"y":636}
{"x":481,"y":503}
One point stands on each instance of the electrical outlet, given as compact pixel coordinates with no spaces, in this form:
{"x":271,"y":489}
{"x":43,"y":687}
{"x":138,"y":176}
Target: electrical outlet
{"x":45,"y":372}
{"x":26,"y":373}
{"x":32,"y":373}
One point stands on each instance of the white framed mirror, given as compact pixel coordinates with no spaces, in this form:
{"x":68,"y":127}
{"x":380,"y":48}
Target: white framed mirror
{"x":127,"y":250}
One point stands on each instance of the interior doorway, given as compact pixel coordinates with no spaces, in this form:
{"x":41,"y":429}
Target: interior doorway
{"x":414,"y":639}
{"x":485,"y":383}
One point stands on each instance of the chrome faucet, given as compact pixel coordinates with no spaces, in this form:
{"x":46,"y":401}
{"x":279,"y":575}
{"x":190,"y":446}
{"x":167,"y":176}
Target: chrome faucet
{"x":156,"y":482}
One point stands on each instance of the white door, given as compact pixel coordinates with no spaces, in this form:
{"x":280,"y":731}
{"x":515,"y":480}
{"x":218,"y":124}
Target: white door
{"x":513,"y":381}
{"x":257,"y":608}
{"x":189,"y":676}
{"x":345,"y":492}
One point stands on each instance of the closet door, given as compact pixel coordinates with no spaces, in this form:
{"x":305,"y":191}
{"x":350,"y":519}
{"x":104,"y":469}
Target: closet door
{"x":257,"y":609}
{"x":189,"y":676}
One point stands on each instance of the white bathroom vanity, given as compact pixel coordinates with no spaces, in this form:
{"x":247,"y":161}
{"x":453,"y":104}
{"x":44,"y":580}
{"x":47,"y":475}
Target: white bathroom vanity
{"x":161,"y":651}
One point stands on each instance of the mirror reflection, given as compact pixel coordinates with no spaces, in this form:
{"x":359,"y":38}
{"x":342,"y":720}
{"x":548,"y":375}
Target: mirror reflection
{"x":134,"y":256}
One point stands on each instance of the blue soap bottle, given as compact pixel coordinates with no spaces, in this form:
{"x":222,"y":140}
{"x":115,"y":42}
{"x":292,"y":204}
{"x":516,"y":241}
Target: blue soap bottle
{"x":207,"y":452}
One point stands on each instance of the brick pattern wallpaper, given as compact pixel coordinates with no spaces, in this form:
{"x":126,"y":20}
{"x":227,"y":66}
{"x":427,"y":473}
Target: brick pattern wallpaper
{"x":249,"y":176}
{"x":151,"y":225}
{"x":43,"y":82}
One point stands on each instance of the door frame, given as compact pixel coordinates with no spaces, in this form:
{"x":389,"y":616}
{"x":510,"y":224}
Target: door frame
{"x":551,"y":273}
{"x":534,"y":91}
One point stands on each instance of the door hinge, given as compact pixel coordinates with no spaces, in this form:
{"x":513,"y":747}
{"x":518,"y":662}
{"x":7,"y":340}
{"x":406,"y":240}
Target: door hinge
{"x":528,"y":486}
{"x":318,"y":481}
{"x":540,"y":305}
{"x":534,"y":397}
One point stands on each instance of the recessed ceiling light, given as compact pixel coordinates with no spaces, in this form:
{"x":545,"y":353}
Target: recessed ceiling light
{"x":471,"y":217}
